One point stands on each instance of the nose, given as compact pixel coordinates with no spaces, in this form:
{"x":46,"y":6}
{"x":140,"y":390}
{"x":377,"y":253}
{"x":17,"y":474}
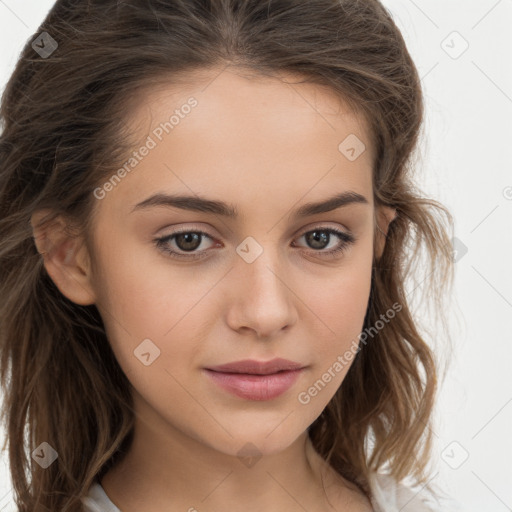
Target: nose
{"x":260,"y":299}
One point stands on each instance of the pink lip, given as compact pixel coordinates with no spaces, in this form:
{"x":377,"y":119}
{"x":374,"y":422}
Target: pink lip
{"x":255,"y":380}
{"x":255,"y":387}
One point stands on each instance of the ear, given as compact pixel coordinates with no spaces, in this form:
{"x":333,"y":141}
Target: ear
{"x":65,"y":256}
{"x":384,"y":215}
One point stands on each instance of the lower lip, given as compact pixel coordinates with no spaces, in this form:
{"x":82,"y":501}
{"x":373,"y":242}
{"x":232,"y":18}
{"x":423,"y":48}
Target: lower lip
{"x":255,"y":387}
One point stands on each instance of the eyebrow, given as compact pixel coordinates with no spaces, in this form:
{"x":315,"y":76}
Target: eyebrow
{"x":201,"y":204}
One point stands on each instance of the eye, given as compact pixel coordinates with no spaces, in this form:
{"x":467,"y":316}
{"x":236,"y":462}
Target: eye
{"x":184,"y":241}
{"x":320,"y":237}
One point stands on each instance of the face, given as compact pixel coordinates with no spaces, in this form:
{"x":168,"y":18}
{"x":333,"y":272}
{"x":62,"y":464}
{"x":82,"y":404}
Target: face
{"x":255,"y":273}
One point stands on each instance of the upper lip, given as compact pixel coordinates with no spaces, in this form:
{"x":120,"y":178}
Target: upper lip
{"x":251,"y":366}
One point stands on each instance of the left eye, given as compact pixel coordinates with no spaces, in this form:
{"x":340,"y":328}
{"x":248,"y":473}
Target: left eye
{"x":190,"y":241}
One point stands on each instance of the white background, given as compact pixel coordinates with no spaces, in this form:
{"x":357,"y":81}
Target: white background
{"x":467,"y":165}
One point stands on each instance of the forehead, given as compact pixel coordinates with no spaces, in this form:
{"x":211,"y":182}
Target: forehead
{"x":232,"y":134}
{"x":241,"y":96}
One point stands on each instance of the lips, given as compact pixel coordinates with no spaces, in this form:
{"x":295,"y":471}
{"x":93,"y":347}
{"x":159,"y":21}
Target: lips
{"x":251,"y":366}
{"x":256,"y":380}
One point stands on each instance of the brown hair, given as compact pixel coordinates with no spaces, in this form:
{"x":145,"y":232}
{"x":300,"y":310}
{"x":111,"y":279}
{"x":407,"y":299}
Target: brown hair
{"x":63,"y":133}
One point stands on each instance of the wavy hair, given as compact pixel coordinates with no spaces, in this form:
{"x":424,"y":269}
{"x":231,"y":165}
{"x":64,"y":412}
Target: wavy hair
{"x":63,"y":133}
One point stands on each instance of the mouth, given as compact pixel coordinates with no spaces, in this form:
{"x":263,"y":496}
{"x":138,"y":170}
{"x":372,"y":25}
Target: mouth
{"x":253,"y":367}
{"x":254,"y":380}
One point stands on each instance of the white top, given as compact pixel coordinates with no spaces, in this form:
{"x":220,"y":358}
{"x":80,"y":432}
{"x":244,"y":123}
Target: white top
{"x":98,"y":501}
{"x":388,"y":496}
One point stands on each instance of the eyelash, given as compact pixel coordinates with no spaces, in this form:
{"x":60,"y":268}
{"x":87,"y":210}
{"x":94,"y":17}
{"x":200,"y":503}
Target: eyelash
{"x":162,"y":243}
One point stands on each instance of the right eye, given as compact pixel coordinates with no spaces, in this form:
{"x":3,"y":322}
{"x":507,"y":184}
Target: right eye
{"x":186,"y":241}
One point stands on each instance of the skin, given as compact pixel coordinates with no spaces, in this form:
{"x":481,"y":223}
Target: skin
{"x":267,"y":146}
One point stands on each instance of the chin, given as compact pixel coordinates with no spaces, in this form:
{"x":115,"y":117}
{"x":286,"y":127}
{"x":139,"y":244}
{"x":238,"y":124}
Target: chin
{"x":257,"y":443}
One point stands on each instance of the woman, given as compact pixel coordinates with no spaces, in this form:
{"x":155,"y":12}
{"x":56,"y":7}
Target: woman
{"x":208,"y":221}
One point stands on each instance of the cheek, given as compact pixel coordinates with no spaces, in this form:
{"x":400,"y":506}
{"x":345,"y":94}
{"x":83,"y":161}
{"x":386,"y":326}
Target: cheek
{"x":340,"y":298}
{"x":136,"y":287}
{"x":339,"y":306}
{"x":142,"y":297}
